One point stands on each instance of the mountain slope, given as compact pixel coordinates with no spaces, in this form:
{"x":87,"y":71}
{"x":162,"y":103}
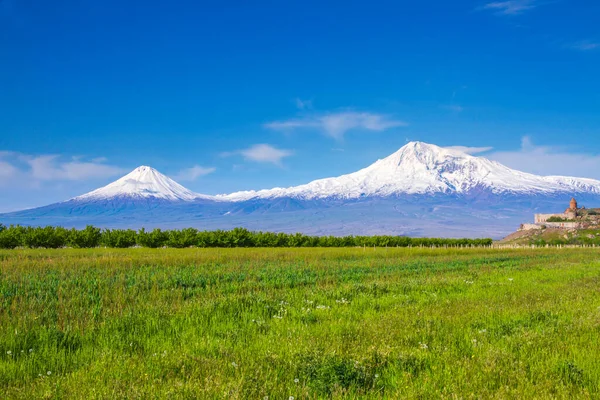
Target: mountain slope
{"x":420,"y":168}
{"x":142,"y":183}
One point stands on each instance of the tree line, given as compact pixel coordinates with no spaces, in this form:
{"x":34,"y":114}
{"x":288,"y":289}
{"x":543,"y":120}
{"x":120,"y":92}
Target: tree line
{"x":56,"y":237}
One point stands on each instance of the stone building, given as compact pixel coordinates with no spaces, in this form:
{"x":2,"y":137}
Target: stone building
{"x":570,"y":215}
{"x":571,"y":212}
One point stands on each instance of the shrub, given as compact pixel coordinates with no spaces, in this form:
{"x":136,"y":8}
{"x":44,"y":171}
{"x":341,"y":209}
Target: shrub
{"x":557,"y":219}
{"x":54,"y":237}
{"x":86,"y":238}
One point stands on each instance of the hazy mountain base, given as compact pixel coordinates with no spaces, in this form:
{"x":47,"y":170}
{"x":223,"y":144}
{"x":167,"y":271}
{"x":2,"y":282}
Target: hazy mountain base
{"x":477,"y":215}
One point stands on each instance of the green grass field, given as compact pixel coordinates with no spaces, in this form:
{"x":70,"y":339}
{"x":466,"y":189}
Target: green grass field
{"x":301,"y":323}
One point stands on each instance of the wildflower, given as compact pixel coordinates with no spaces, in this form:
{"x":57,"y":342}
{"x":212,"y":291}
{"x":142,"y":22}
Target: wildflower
{"x":376,"y":376}
{"x":234,"y":365}
{"x":31,"y":350}
{"x":49,"y":373}
{"x":9,"y":352}
{"x":277,"y":316}
{"x":291,"y":398}
{"x":469,"y":282}
{"x":423,"y":346}
{"x":322,"y":307}
{"x":510,"y":279}
{"x":483,"y":331}
{"x":342,"y":301}
{"x":296,"y":380}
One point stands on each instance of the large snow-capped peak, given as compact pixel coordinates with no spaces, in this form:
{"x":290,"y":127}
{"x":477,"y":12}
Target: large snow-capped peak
{"x":421,"y":168}
{"x":143,"y":182}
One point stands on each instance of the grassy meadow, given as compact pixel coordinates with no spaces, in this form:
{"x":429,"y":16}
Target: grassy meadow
{"x":301,"y":323}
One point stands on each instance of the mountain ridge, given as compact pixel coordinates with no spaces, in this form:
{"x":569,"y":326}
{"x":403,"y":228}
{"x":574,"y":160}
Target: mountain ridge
{"x":421,"y":168}
{"x":419,"y":190}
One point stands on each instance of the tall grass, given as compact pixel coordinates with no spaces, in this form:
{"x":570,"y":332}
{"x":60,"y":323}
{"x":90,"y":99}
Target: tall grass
{"x":307,"y":323}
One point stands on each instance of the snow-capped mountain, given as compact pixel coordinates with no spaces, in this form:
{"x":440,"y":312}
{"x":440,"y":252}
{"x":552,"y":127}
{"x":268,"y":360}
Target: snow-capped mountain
{"x":142,"y":183}
{"x":420,"y":190}
{"x":421,"y":168}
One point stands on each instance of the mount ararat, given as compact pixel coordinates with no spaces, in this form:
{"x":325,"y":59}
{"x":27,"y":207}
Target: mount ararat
{"x":420,"y":190}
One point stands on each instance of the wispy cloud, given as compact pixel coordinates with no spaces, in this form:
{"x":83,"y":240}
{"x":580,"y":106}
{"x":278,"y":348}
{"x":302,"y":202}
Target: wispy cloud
{"x":509,"y":7}
{"x":303,"y":104}
{"x":336,"y":125}
{"x":549,"y":160}
{"x":7,"y":170}
{"x":453,"y":107}
{"x":33,"y":169}
{"x":50,"y":168}
{"x":193,"y":173}
{"x":470,"y":150}
{"x":263,"y":153}
{"x":584,"y":45}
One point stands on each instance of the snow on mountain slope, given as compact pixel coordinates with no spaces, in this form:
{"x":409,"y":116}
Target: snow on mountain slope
{"x":142,"y":182}
{"x":421,"y":168}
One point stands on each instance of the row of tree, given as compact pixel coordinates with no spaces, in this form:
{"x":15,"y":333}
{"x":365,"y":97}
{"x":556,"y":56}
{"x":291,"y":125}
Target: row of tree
{"x":56,"y":237}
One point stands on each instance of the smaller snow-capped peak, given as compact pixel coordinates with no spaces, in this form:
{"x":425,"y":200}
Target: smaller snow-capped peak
{"x":143,"y":182}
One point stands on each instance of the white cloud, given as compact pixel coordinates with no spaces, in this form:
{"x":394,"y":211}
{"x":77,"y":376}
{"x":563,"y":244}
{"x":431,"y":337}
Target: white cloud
{"x":193,"y":173}
{"x":264,"y":153}
{"x":30,"y":170}
{"x":7,"y":170}
{"x":510,"y":7}
{"x":336,"y":125}
{"x":584,"y":45}
{"x":470,"y":150}
{"x":50,"y":168}
{"x":549,"y":160}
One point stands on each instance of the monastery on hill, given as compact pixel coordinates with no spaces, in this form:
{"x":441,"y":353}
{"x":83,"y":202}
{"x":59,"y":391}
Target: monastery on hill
{"x":574,"y":217}
{"x":569,"y":214}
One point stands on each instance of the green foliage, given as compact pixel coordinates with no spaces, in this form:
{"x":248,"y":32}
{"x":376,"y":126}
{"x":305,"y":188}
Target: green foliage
{"x":86,"y":238}
{"x":153,"y":239}
{"x":48,"y":237}
{"x":11,"y":237}
{"x":118,"y":238}
{"x":558,"y":219}
{"x":55,"y":237}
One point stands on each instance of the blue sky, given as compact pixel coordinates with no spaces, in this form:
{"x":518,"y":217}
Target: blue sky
{"x":228,"y":96}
